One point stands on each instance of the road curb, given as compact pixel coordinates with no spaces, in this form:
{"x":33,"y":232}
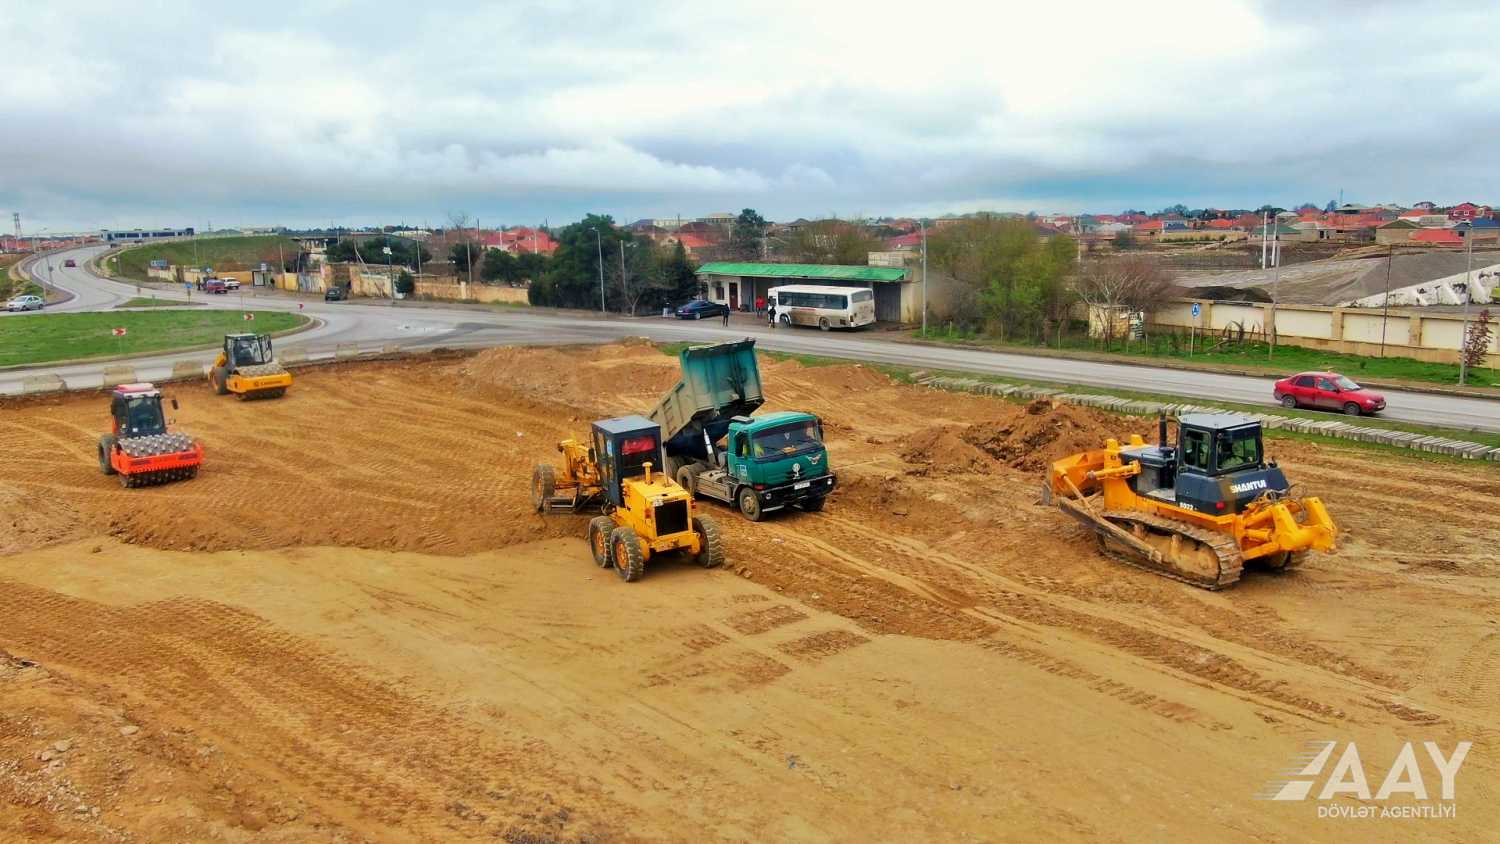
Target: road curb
{"x":1322,"y":427}
{"x":1098,"y":357}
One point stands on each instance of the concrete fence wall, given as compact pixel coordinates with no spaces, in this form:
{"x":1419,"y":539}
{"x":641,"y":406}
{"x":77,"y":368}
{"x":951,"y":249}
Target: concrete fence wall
{"x":471,"y":292}
{"x":1408,"y":333}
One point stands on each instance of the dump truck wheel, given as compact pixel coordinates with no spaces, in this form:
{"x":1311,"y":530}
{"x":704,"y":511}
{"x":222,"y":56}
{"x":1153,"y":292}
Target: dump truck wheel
{"x":219,"y":377}
{"x":1289,"y":402}
{"x":710,"y":541}
{"x":543,"y":485}
{"x":625,"y":548}
{"x":106,"y":445}
{"x":688,"y":480}
{"x":599,"y":530}
{"x":814,"y":505}
{"x":750,"y":505}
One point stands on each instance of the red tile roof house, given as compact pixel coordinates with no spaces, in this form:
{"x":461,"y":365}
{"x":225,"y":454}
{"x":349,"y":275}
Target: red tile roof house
{"x":1468,"y":211}
{"x":904,"y":242}
{"x":1437,"y":237}
{"x":691,"y":243}
{"x":520,"y":239}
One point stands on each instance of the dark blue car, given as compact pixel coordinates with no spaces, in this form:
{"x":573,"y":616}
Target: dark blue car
{"x":701,"y":309}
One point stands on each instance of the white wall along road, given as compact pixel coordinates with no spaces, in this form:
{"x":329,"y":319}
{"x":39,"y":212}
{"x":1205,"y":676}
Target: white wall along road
{"x":374,"y":324}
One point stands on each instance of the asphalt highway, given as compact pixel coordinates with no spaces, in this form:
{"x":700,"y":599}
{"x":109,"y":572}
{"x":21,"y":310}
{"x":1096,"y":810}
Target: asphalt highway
{"x":366,"y":324}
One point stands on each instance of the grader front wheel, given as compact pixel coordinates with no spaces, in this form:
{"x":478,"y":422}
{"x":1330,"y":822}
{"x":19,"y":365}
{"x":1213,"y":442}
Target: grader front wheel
{"x":625,"y":548}
{"x":710,"y":542}
{"x":599,"y":530}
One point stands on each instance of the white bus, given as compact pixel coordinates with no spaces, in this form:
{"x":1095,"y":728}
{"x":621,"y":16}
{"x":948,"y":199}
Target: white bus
{"x":825,"y":307}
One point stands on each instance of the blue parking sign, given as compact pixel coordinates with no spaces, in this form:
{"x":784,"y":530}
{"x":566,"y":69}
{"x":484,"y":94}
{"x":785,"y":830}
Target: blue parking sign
{"x":1197,"y":309}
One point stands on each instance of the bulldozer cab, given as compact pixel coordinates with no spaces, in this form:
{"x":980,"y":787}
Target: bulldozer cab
{"x":137,"y":412}
{"x":622,"y":446}
{"x":247,"y":350}
{"x":1216,"y":444}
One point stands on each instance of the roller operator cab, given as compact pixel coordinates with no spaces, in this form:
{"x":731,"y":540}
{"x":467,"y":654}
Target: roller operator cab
{"x":247,"y":367}
{"x":1218,"y":465}
{"x":140,"y":448}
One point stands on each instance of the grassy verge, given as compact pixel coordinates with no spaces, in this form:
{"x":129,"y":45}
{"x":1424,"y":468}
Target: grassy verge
{"x":1249,"y":356}
{"x":905,"y":374}
{"x":145,"y":302}
{"x":10,"y":286}
{"x":221,"y":253}
{"x":41,"y":338}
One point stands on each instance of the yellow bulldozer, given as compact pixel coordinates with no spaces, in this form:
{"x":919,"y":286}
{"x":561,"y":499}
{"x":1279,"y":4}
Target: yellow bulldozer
{"x":1196,"y":511}
{"x":645,"y":512}
{"x":247,"y":368}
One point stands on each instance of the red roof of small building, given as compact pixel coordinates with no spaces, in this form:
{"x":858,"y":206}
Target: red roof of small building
{"x":905,"y":241}
{"x":1438,"y":237}
{"x":1220,"y":224}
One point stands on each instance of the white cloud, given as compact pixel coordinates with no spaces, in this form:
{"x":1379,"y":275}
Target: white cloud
{"x":304,"y":111}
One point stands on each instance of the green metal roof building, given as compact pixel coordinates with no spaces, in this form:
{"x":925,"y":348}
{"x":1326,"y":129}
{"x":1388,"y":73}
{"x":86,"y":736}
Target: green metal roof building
{"x":740,"y":284}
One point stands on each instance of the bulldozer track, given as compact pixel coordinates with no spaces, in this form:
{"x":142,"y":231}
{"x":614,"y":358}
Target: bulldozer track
{"x":1231,"y":561}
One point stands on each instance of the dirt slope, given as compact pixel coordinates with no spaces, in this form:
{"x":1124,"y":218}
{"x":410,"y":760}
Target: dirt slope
{"x":350,"y":626}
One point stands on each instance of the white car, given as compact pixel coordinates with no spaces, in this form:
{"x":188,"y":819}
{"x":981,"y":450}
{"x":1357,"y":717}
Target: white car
{"x":231,"y":284}
{"x":25,"y":303}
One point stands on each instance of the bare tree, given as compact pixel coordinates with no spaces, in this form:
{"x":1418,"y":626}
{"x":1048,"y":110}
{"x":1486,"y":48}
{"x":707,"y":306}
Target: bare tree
{"x":1130,"y":284}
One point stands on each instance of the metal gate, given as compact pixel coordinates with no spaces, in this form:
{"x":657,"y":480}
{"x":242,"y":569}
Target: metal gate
{"x":888,"y":302}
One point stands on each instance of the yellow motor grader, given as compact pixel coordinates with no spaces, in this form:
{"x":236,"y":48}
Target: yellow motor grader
{"x":645,"y":512}
{"x":1196,"y":511}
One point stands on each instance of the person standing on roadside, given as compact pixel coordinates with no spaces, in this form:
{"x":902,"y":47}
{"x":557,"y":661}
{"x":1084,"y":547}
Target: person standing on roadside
{"x":726,"y":317}
{"x":760,"y":306}
{"x":771,"y":313}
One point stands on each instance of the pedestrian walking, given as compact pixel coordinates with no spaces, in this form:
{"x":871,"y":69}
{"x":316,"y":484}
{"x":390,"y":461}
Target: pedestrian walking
{"x":726,"y":317}
{"x":771,"y":313}
{"x":760,"y":306}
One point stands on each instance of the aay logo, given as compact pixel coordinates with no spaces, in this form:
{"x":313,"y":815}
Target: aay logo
{"x":1247,"y":486}
{"x":1348,"y":777}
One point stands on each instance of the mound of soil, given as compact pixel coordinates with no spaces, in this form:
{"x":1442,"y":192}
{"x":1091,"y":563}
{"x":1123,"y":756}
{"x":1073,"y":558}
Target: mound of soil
{"x":847,"y":377}
{"x":1039,"y":434}
{"x":942,"y":450}
{"x":619,"y":378}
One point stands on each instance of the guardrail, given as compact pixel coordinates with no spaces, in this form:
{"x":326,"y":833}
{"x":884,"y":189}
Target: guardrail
{"x":1322,"y":427}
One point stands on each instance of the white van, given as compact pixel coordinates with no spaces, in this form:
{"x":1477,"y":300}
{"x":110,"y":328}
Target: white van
{"x":825,"y":307}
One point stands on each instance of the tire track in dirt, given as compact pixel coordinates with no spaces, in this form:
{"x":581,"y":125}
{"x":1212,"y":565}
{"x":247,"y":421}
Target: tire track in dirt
{"x":372,"y":756}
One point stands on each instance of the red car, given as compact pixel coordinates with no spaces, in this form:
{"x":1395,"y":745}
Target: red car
{"x":1327,"y":391}
{"x":70,"y":263}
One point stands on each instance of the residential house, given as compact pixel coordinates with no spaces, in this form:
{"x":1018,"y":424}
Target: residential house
{"x":1397,"y":231}
{"x":1437,"y":237}
{"x":1468,"y":211}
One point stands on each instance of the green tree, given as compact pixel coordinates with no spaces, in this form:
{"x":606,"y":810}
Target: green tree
{"x":833,"y":242}
{"x":531,"y":265}
{"x":749,"y":231}
{"x":459,"y":253}
{"x":571,"y":279}
{"x":403,"y":252}
{"x":1009,"y":283}
{"x":405,"y":284}
{"x":500,"y":266}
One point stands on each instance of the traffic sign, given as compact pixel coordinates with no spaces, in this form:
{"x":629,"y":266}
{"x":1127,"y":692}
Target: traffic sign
{"x":249,"y":317}
{"x":1197,"y":309}
{"x":118,"y":332}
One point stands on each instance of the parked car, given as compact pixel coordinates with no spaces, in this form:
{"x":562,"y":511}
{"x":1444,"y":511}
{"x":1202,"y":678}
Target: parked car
{"x":70,"y":263}
{"x":25,"y":303}
{"x":701,"y":309}
{"x":336,"y":294}
{"x":214,"y":285}
{"x":1327,"y":391}
{"x":231,"y":284}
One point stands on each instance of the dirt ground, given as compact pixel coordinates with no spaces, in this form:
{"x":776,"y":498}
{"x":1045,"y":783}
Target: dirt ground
{"x":351,"y":627}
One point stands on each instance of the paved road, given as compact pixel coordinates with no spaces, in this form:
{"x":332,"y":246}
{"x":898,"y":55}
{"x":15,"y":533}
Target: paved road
{"x":371,"y":325}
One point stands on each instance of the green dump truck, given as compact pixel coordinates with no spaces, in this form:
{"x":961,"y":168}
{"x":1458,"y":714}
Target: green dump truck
{"x":714,"y":448}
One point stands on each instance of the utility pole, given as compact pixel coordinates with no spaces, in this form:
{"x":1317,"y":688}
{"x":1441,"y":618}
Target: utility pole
{"x":1275,"y":290}
{"x":625,"y":291}
{"x":1386,"y":306}
{"x":924,"y":278}
{"x":1264,"y":240}
{"x":599,"y":249}
{"x":1463,"y":334}
{"x":469,"y":253}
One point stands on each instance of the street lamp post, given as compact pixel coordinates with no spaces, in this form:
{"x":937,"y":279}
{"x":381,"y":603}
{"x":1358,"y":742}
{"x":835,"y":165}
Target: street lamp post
{"x":599,"y":248}
{"x":924,"y":278}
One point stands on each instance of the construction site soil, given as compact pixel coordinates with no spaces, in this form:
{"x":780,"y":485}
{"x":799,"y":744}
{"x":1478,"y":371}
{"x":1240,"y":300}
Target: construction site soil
{"x":351,"y":626}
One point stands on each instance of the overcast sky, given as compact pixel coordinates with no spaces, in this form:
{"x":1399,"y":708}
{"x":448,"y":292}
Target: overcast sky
{"x":317,"y":112}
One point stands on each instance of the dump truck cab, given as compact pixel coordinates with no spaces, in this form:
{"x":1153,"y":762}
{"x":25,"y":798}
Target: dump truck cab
{"x":716,"y":449}
{"x":1218,"y":465}
{"x":247,"y":367}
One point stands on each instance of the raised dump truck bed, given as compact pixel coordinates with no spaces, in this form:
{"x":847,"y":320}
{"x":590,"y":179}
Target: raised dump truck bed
{"x":715,"y":448}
